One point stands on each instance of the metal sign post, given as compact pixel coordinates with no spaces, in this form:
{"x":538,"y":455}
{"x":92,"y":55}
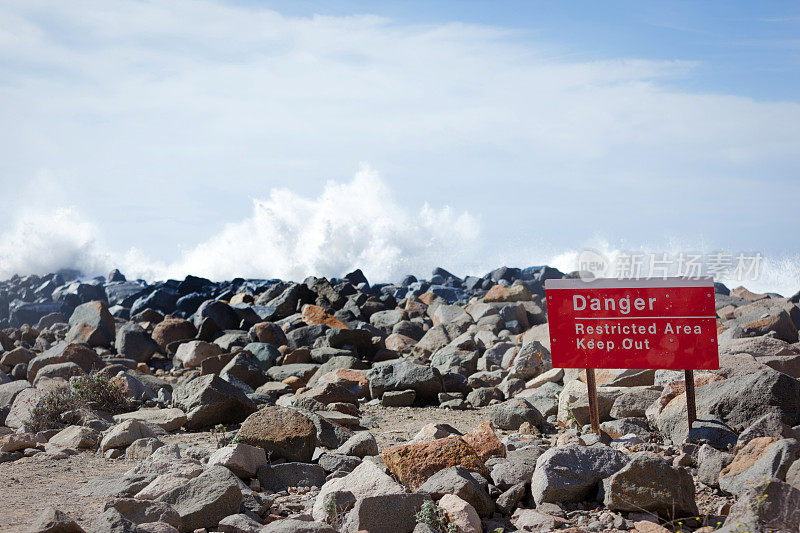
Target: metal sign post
{"x":594,"y":415}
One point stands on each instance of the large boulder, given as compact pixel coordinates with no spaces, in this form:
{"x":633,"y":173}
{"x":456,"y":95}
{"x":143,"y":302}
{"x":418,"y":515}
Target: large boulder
{"x":650,"y":483}
{"x":739,"y":401}
{"x":220,"y":313}
{"x":172,"y":330}
{"x":370,"y":513}
{"x":191,"y":354}
{"x":367,"y":479}
{"x":93,"y":324}
{"x":761,"y":458}
{"x":769,"y":505}
{"x":80,"y":354}
{"x":135,"y":343}
{"x":203,"y":501}
{"x":413,"y":464}
{"x":571,"y":473}
{"x":283,"y":433}
{"x":404,"y":375}
{"x":210,"y":400}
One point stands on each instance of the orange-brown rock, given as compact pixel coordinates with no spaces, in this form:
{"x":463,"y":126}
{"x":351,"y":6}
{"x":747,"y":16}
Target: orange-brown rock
{"x":427,"y":298}
{"x":744,"y":294}
{"x":17,"y":441}
{"x":399,"y":343}
{"x":353,"y":380}
{"x":173,"y":329}
{"x":677,"y":388}
{"x":749,"y":454}
{"x":294,"y":382}
{"x":413,"y":464}
{"x":300,"y":355}
{"x":484,"y":441}
{"x":268,"y":332}
{"x":415,"y":307}
{"x":314,"y":314}
{"x":508,"y":293}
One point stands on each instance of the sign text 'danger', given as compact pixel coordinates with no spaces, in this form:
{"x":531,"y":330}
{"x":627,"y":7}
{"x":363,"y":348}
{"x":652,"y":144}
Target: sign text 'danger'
{"x":632,"y":323}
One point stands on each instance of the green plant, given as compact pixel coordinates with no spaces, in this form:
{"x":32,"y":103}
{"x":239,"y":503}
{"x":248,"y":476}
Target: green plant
{"x":88,"y":391}
{"x":47,"y":414}
{"x":432,"y":515}
{"x":97,"y":391}
{"x":334,"y":514}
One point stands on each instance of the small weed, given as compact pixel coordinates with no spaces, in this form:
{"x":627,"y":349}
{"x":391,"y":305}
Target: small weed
{"x":89,"y":391}
{"x":334,"y":514}
{"x":433,"y":516}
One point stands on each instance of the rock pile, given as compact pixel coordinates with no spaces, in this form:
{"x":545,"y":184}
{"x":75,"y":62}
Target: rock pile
{"x":249,"y":406}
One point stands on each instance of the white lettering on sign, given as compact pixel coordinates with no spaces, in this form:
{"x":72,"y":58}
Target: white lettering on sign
{"x":623,"y":305}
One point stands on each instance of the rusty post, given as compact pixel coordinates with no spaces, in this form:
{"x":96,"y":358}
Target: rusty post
{"x":594,"y":415}
{"x":691,"y":408}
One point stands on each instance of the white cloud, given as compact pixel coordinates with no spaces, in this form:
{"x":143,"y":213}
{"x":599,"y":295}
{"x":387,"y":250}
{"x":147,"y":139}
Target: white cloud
{"x":160,"y":120}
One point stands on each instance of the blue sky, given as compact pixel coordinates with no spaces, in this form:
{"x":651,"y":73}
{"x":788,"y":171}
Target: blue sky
{"x":747,"y":48}
{"x":223,"y":138}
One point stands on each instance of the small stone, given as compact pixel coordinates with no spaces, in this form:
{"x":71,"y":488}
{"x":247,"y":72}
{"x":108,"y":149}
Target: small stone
{"x":402,"y":398}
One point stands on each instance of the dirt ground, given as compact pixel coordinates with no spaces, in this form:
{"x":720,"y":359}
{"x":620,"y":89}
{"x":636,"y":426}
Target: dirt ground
{"x":31,"y":484}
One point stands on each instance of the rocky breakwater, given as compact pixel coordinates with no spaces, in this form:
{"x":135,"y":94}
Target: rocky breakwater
{"x":340,"y":405}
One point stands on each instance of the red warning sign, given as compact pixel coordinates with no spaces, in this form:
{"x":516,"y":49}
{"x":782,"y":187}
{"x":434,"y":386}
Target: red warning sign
{"x":647,"y":323}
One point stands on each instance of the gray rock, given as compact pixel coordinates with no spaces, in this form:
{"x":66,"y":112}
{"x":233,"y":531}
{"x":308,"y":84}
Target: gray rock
{"x":303,"y":371}
{"x":135,"y":343}
{"x":739,"y":401}
{"x":403,"y":375}
{"x":143,"y":511}
{"x":241,"y":459}
{"x":210,"y":400}
{"x":246,"y":368}
{"x":517,"y":467}
{"x":220,"y":313}
{"x":512,"y":413}
{"x":769,"y":425}
{"x":362,"y":444}
{"x":239,"y":523}
{"x":112,"y":521}
{"x":266,"y":354}
{"x":483,"y":396}
{"x":713,"y":432}
{"x":280,"y":477}
{"x":293,"y":525}
{"x":650,"y":483}
{"x":769,"y":505}
{"x":710,"y":462}
{"x":467,"y":485}
{"x":125,"y":433}
{"x":282,"y":432}
{"x":142,"y":448}
{"x":390,"y":513}
{"x":450,"y":359}
{"x":116,"y":486}
{"x":99,"y":329}
{"x":205,"y":500}
{"x":51,"y":520}
{"x":337,"y":462}
{"x":773,"y":463}
{"x":400,"y":398}
{"x":634,"y":403}
{"x":509,"y":499}
{"x":571,"y":473}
